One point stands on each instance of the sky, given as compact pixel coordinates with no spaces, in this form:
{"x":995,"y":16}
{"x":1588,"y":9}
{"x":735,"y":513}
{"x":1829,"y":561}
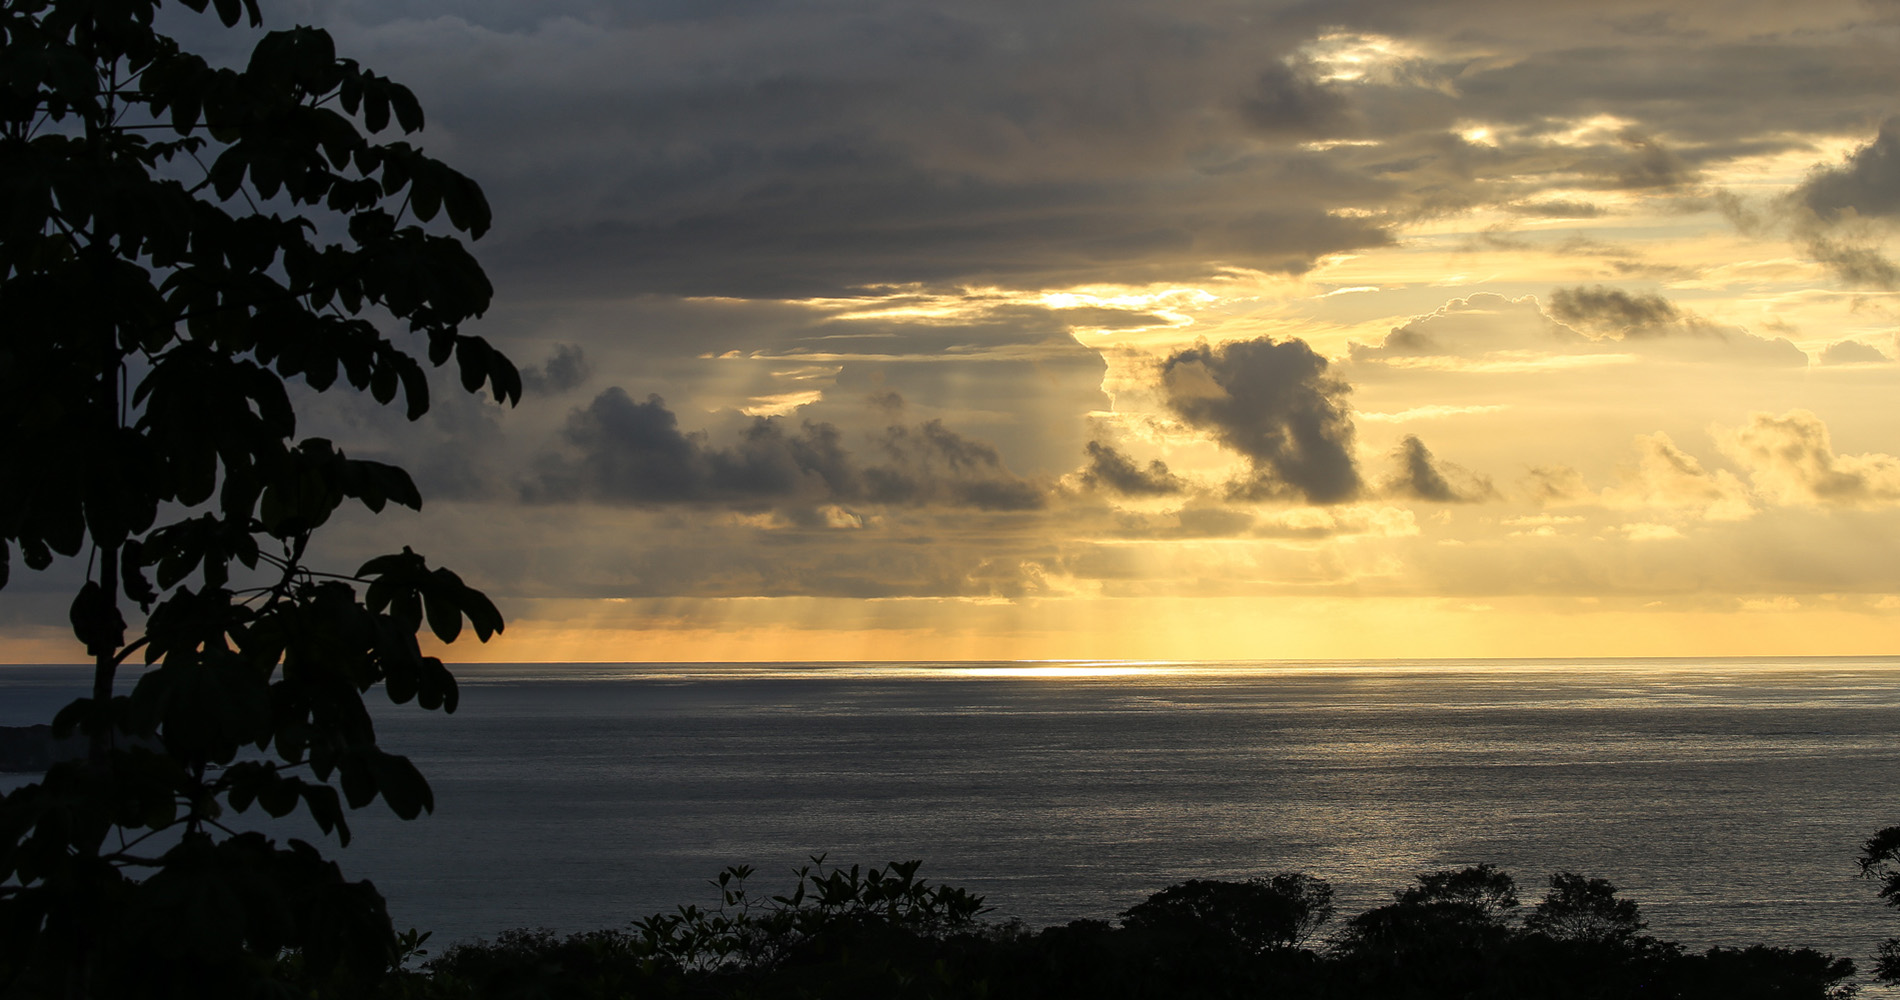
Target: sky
{"x":869,"y":329}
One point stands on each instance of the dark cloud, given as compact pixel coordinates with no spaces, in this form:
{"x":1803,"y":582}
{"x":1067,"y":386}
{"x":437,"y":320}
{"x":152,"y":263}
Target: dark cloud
{"x":1703,"y":96}
{"x":1111,"y":470}
{"x":1654,"y":321}
{"x":635,"y":453}
{"x":565,"y":368}
{"x":1868,"y":184}
{"x":1287,"y":100}
{"x":1485,"y":325}
{"x":758,"y":149}
{"x":1647,"y":163}
{"x":933,"y":464}
{"x":1418,"y":475}
{"x":1861,"y":266}
{"x":1275,"y":404}
{"x":1556,"y":209}
{"x":1849,"y":352}
{"x":623,"y":452}
{"x":1612,"y":310}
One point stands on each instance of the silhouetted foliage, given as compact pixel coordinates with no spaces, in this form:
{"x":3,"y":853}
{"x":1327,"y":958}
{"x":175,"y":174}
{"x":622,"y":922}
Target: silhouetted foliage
{"x":1483,"y":888}
{"x":1880,"y":861}
{"x":1203,"y":938}
{"x":1254,"y":916}
{"x":1585,"y":909}
{"x":837,"y":933}
{"x":177,"y":242}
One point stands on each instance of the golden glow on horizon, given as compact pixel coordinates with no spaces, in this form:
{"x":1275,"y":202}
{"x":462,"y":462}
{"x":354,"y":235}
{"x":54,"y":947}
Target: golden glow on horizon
{"x":1173,"y":630}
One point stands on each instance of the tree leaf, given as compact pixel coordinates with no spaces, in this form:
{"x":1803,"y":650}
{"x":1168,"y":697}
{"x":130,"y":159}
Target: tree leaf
{"x":445,"y":616}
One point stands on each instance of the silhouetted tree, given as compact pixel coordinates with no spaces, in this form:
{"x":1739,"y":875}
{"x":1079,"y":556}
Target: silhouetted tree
{"x":1482,"y":887}
{"x":1585,"y":909}
{"x":1880,"y":860}
{"x":887,"y":935}
{"x":178,"y":241}
{"x":1254,"y":916}
{"x":1444,"y":936}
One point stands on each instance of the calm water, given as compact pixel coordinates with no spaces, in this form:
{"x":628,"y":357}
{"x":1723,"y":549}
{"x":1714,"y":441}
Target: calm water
{"x":1728,"y":797}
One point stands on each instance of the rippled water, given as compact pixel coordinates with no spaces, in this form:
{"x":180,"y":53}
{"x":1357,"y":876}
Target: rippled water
{"x":1728,"y":797}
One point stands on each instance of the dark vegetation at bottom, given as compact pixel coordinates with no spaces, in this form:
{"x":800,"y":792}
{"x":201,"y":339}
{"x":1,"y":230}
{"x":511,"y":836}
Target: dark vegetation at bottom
{"x":887,"y":933}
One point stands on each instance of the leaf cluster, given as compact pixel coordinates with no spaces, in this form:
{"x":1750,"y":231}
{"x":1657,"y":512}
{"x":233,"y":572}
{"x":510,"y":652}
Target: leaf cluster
{"x":1880,"y":861}
{"x":180,"y":245}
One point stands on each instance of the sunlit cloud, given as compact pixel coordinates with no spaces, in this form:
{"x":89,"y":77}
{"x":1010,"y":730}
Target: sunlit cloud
{"x":1431,"y":412}
{"x":780,"y":404}
{"x":1345,"y":57}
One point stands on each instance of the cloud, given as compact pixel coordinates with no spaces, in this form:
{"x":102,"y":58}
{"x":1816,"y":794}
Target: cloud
{"x":1860,"y":266}
{"x":1287,"y":100}
{"x":932,"y":464}
{"x":1110,"y":469}
{"x":1554,"y":486}
{"x":1648,"y":532}
{"x":759,"y":149}
{"x":1473,"y":327}
{"x":1662,"y":477}
{"x":1612,"y":310}
{"x":1491,"y":330}
{"x":635,"y":453}
{"x":1655,"y":324}
{"x":1275,"y":404}
{"x":566,"y":368}
{"x":1296,"y":524}
{"x":1666,"y":477}
{"x":1849,"y":352}
{"x":1632,"y":320}
{"x":1791,"y":458}
{"x":1648,"y":164}
{"x":1556,"y":208}
{"x":1834,"y":214}
{"x":1867,"y":185}
{"x":1431,"y":411}
{"x":753,"y":151}
{"x":622,"y":452}
{"x":1418,"y":476}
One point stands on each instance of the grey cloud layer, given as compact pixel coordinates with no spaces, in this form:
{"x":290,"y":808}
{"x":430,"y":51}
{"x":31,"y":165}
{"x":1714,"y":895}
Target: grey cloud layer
{"x":1594,"y":319}
{"x":1868,"y":184}
{"x":621,"y":451}
{"x":761,"y":150}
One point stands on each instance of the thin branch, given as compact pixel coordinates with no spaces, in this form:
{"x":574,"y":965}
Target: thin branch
{"x":127,"y":859}
{"x":123,"y":654}
{"x":143,"y":837}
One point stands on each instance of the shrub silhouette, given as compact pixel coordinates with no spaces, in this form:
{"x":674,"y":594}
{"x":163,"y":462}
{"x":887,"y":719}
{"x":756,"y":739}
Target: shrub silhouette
{"x":885,"y":933}
{"x":1585,"y":909}
{"x":1253,"y":917}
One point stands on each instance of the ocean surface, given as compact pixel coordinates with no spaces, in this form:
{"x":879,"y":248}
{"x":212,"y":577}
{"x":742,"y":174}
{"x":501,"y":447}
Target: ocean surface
{"x":1729,"y":797}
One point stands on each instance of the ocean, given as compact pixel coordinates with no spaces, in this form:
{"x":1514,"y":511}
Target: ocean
{"x":1728,"y":797}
